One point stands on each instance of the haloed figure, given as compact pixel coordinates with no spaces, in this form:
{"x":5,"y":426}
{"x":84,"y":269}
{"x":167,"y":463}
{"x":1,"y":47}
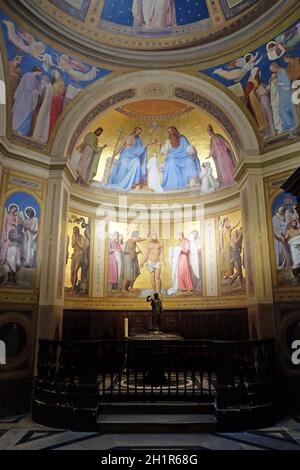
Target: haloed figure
{"x":77,"y":256}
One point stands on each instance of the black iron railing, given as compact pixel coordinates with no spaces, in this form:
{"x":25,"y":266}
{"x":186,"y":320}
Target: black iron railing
{"x":76,"y":377}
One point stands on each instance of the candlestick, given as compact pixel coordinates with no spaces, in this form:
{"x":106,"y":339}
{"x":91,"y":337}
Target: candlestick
{"x":126,"y":327}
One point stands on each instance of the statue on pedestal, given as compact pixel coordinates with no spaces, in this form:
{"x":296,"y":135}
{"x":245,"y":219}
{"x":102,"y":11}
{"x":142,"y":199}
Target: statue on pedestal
{"x":157,"y":310}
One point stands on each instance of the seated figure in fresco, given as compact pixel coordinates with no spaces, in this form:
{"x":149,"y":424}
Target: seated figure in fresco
{"x":154,"y":14}
{"x":130,"y":170}
{"x":182,"y":166}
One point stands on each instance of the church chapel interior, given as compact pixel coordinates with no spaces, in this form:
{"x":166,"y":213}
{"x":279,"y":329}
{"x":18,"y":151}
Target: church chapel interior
{"x":150,"y":214}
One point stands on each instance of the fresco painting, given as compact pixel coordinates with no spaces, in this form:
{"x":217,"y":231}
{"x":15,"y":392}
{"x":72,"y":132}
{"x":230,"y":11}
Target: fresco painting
{"x":231,"y":254}
{"x":43,"y":80}
{"x":158,"y":157}
{"x":78,"y":256}
{"x":19,"y":241}
{"x":286,"y":238}
{"x":265,"y":80}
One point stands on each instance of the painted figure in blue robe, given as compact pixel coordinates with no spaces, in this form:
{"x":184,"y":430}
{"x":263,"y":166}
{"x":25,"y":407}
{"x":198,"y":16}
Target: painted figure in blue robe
{"x":287,"y":110}
{"x":182,"y":166}
{"x":130,"y":170}
{"x":25,"y":101}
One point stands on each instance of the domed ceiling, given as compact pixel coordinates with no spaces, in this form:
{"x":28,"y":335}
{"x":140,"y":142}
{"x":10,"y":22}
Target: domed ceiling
{"x":149,"y":24}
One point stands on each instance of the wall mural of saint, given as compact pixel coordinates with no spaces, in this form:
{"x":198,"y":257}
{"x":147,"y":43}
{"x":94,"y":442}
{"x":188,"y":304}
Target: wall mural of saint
{"x":286,"y":236}
{"x":19,"y":241}
{"x":231,"y":247}
{"x":78,"y":256}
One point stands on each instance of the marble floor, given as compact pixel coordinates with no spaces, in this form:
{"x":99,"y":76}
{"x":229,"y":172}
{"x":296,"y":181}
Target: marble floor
{"x":20,"y":433}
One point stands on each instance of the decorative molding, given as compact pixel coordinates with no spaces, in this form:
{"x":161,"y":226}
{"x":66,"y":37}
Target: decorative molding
{"x":213,"y":110}
{"x":99,"y":108}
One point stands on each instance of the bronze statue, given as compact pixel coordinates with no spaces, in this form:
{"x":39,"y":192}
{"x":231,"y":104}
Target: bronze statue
{"x":157,"y":310}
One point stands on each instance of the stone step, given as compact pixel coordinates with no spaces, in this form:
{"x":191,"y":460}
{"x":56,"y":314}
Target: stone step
{"x":156,"y":423}
{"x":156,"y":408}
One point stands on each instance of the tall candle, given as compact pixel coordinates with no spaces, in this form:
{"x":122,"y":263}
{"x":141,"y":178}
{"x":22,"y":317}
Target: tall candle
{"x":126,"y":327}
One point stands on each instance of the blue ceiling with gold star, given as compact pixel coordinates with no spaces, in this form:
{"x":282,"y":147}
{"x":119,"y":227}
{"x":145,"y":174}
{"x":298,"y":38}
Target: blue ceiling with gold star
{"x":186,"y":11}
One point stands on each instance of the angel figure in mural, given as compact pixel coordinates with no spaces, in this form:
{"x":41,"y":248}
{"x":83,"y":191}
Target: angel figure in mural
{"x":239,"y":67}
{"x":223,"y":156}
{"x":31,"y":231}
{"x":208,"y":182}
{"x":274,"y":50}
{"x":87,"y":157}
{"x":154,"y":259}
{"x":181,"y":271}
{"x":75,"y":69}
{"x":181,"y":166}
{"x":154,"y":14}
{"x":24,"y":42}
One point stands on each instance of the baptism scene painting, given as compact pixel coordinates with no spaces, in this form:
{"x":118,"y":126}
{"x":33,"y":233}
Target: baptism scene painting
{"x":231,"y":254}
{"x":78,"y":256}
{"x":265,"y":80}
{"x":286,"y":238}
{"x":139,"y":264}
{"x":42,"y":82}
{"x":19,"y":241}
{"x":155,"y":146}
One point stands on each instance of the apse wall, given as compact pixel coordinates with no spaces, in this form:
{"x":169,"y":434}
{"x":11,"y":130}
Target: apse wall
{"x":241,"y":249}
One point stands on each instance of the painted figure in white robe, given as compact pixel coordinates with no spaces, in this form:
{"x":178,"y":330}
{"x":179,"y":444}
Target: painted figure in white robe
{"x":154,"y":14}
{"x":195,"y":259}
{"x":153,"y":175}
{"x":274,"y":98}
{"x":42,"y":125}
{"x":239,"y":68}
{"x":282,"y":252}
{"x":31,"y":231}
{"x":88,"y":153}
{"x":208,"y":182}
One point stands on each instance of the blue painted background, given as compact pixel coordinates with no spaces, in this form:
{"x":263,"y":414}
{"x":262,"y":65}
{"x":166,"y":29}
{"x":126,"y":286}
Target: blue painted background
{"x":29,"y":61}
{"x":23,"y":200}
{"x":187,"y":11}
{"x":279,"y":201}
{"x":265,"y":63}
